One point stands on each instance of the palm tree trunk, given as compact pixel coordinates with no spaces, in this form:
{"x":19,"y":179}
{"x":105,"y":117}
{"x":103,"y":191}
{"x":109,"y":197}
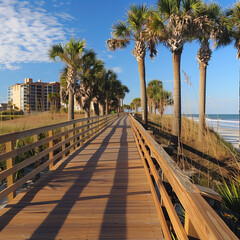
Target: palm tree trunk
{"x":154,"y":108}
{"x":202,"y":100}
{"x":71,"y":79}
{"x":101,"y":109}
{"x":177,"y":97}
{"x":70,"y":106}
{"x":141,"y":69}
{"x":150,"y":106}
{"x":119,"y":105}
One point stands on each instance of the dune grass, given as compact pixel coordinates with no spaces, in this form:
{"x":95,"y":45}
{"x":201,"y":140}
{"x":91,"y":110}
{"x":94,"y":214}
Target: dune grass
{"x":213,"y":158}
{"x":34,"y":121}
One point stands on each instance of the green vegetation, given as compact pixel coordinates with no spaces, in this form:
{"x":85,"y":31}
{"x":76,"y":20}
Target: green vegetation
{"x":136,"y":103}
{"x":134,"y":29}
{"x":86,"y":78}
{"x":70,"y":54}
{"x":158,"y":98}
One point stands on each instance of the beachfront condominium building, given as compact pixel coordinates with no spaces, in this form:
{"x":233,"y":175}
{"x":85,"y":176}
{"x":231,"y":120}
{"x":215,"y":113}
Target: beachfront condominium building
{"x":33,"y":96}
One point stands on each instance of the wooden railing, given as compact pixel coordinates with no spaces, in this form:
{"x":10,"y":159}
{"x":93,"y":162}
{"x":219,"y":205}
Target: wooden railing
{"x":42,"y":147}
{"x":168,"y":185}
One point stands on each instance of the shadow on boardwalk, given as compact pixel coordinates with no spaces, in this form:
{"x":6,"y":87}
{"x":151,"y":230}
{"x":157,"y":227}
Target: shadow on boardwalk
{"x":114,"y":219}
{"x":68,"y":197}
{"x":71,"y":196}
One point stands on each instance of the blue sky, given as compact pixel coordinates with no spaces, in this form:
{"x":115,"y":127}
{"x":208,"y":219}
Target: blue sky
{"x":28,"y":28}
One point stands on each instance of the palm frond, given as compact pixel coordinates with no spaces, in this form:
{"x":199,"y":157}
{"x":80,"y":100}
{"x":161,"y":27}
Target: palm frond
{"x":113,"y":44}
{"x":168,"y":7}
{"x":191,"y":6}
{"x":121,"y":31}
{"x":56,"y":51}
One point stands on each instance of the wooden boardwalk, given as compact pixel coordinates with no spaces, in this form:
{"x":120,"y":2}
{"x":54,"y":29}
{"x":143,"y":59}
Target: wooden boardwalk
{"x":100,"y":192}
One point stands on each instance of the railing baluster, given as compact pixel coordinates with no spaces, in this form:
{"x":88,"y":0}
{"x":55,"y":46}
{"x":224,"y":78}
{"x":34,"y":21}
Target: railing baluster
{"x":10,"y":163}
{"x":71,"y":135}
{"x":81,"y":136}
{"x":50,"y":134}
{"x":63,"y":139}
{"x":36,"y":150}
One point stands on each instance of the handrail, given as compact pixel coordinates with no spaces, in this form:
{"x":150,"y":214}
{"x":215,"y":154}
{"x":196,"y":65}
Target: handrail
{"x":56,"y":142}
{"x":201,"y":221}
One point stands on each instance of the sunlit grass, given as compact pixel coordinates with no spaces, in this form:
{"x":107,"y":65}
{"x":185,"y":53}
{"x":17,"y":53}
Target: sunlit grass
{"x":34,"y":121}
{"x":212,"y":145}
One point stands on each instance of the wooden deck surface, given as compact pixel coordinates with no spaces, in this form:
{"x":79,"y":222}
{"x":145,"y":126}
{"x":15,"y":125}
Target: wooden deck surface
{"x":100,"y":192}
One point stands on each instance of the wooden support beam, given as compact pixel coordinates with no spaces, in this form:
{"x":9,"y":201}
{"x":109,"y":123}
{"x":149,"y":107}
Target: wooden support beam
{"x":63,"y":139}
{"x":10,"y":163}
{"x":38,"y":161}
{"x":50,"y":134}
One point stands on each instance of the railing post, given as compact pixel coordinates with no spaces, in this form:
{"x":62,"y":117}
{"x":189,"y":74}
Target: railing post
{"x":81,"y":136}
{"x":189,"y":228}
{"x":37,"y":162}
{"x":63,"y":139}
{"x":10,"y":163}
{"x":77,"y":132}
{"x":50,"y":134}
{"x":72,"y":141}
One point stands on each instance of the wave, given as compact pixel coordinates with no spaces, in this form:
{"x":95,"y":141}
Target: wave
{"x":221,"y":120}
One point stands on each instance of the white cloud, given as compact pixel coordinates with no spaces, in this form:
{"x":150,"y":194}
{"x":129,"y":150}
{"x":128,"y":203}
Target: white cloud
{"x":64,"y":16}
{"x":117,"y":69}
{"x":58,"y":4}
{"x":110,"y":56}
{"x":26,"y":33}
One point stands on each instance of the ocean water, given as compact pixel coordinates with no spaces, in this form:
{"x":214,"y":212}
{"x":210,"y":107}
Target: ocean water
{"x":227,"y":125}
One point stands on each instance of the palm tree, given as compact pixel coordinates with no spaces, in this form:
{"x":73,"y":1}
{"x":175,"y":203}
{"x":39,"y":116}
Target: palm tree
{"x":163,"y":99}
{"x":121,"y":93}
{"x":127,"y":107}
{"x":89,"y":73}
{"x":134,"y":29}
{"x":70,"y":54}
{"x":171,"y":25}
{"x":153,"y":88}
{"x":137,"y":103}
{"x":160,"y":98}
{"x":207,"y":21}
{"x":53,"y":98}
{"x":63,"y":86}
{"x":131,"y":106}
{"x":111,"y":83}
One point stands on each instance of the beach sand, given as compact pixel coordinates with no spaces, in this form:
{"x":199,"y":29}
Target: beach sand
{"x":229,"y":134}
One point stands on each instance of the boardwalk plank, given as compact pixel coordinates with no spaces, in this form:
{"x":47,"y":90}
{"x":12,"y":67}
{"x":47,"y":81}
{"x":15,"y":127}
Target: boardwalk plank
{"x":102,"y":193}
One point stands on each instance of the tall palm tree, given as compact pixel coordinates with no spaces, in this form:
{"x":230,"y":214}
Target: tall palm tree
{"x":134,"y":29}
{"x":70,"y":54}
{"x":171,"y":25}
{"x":207,"y":21}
